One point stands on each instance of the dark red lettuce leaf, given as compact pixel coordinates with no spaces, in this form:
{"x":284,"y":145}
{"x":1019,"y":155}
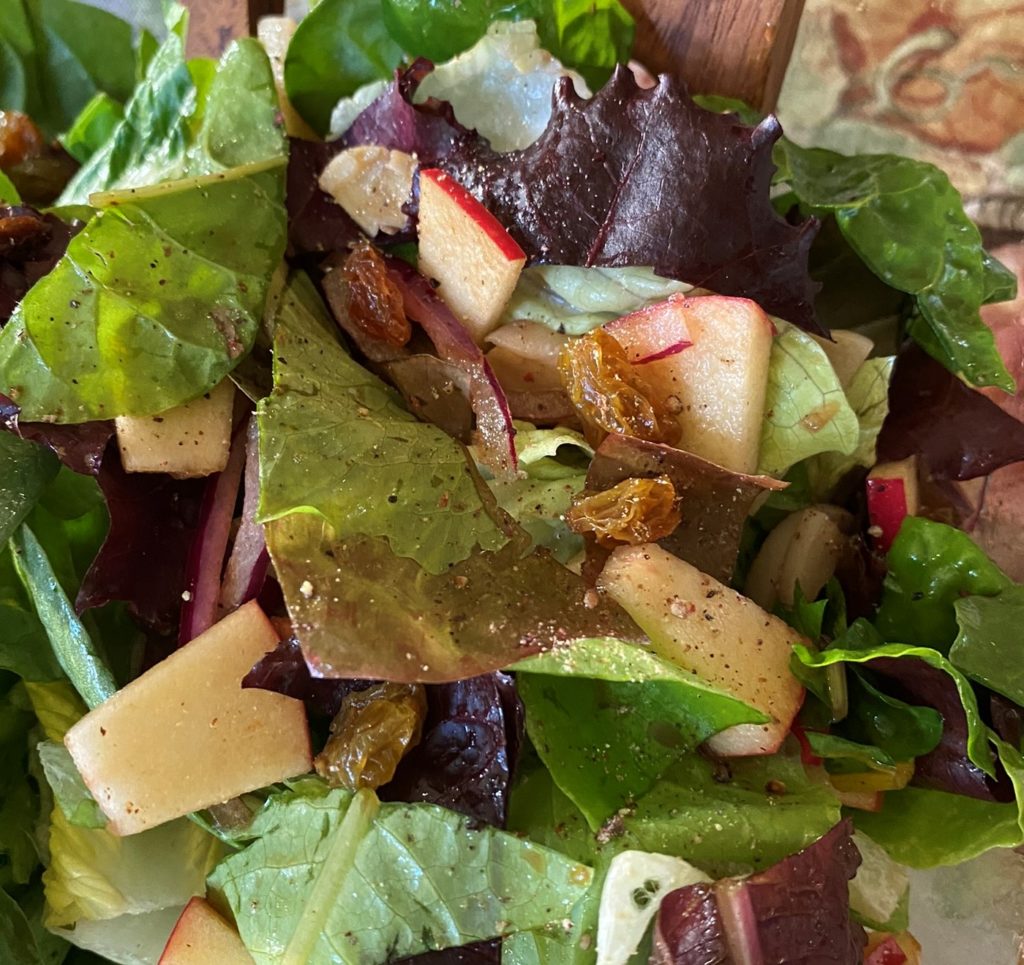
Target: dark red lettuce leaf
{"x":1007,"y":719}
{"x":947,"y":768}
{"x":466,"y":759}
{"x":153,"y":518}
{"x":646,"y":177}
{"x":315,"y":222}
{"x":958,"y":432}
{"x":31,"y":243}
{"x":284,"y":671}
{"x":795,"y":911}
{"x":80,"y":446}
{"x":479,"y":953}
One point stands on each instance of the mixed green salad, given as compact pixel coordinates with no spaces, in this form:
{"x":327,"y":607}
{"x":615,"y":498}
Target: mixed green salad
{"x":487,"y":508}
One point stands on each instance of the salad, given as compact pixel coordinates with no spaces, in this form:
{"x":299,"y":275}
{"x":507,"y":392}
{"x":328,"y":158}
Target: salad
{"x":466,"y":500}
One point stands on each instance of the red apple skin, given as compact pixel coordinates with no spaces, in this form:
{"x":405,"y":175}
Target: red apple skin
{"x":888,"y":953}
{"x":492,"y":227}
{"x":653,"y":333}
{"x":891,"y":497}
{"x":202,"y":937}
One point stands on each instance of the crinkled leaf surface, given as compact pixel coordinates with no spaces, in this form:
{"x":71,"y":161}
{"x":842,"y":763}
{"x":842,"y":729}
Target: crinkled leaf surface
{"x":645,"y":177}
{"x":806,"y":409}
{"x":154,"y":302}
{"x":608,"y":717}
{"x":907,"y":223}
{"x":333,"y":879}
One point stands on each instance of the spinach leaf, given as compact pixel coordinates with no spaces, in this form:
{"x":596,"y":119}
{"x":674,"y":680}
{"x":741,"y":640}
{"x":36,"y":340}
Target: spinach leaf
{"x":56,"y":54}
{"x":591,"y":36}
{"x":987,"y":648}
{"x":607,"y":718}
{"x":845,"y":753}
{"x":17,"y":943}
{"x":902,"y":730}
{"x":157,"y":277}
{"x":907,"y":223}
{"x":931,"y":566}
{"x":25,"y":469}
{"x":93,"y":127}
{"x":335,"y":877}
{"x":8,"y":192}
{"x":339,"y":46}
{"x":74,"y":649}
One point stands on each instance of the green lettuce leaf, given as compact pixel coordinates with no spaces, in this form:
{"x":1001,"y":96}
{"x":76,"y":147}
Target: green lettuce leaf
{"x":868,"y":396}
{"x":901,"y":730}
{"x":69,"y":790}
{"x":339,"y":46}
{"x":158,"y":277}
{"x":380,"y":528}
{"x":553,"y":468}
{"x":806,"y":409}
{"x":987,"y":648}
{"x":56,"y":54}
{"x":8,"y":192}
{"x":931,"y":566}
{"x":25,"y":469}
{"x":577,"y":300}
{"x":18,"y":945}
{"x":590,"y":35}
{"x":607,"y":718}
{"x":339,"y":878}
{"x":93,"y":127}
{"x":186,"y":120}
{"x":906,"y":222}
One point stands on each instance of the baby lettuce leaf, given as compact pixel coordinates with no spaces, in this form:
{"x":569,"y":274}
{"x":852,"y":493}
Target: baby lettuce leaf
{"x":339,"y":46}
{"x":931,"y":566}
{"x":154,"y":302}
{"x":607,"y":718}
{"x":25,"y":469}
{"x":185,"y":120}
{"x":907,"y":223}
{"x":902,"y":730}
{"x":8,"y":192}
{"x":806,"y":409}
{"x":592,"y":37}
{"x":56,"y":54}
{"x":987,"y":648}
{"x":93,"y":127}
{"x":646,"y":177}
{"x":379,"y":528}
{"x":336,"y":878}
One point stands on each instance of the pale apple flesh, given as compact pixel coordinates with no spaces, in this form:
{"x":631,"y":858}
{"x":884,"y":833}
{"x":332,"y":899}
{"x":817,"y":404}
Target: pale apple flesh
{"x":202,"y":937}
{"x":372,"y":184}
{"x":846,"y":351}
{"x":189,"y":440}
{"x":653,"y":333}
{"x":467,"y":251}
{"x":185,"y":735}
{"x":718,"y":384}
{"x":701,"y":625}
{"x":892,"y":495}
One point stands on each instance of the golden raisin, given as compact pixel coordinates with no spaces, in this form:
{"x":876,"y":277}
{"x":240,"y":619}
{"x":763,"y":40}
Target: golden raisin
{"x":371,"y":733}
{"x":20,"y":139}
{"x":374,"y":303}
{"x":610,"y":395}
{"x":634,"y":511}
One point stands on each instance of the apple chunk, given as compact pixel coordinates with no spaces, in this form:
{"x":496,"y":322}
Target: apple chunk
{"x":892,"y":495}
{"x":185,"y":735}
{"x":719,"y":382}
{"x":465,"y":248}
{"x":703,"y":626}
{"x":190,"y":440}
{"x":202,"y":937}
{"x":653,"y":333}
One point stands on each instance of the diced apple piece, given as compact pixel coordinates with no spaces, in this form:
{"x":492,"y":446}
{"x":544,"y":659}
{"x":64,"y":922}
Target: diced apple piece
{"x":702,"y":626}
{"x":525,"y":357}
{"x":653,"y":333}
{"x":191,"y":440}
{"x":372,"y":184}
{"x":275,"y":33}
{"x":847,"y":351}
{"x":202,"y":937}
{"x":465,"y":248}
{"x":719,"y":382}
{"x":892,"y":495}
{"x":803,"y":550}
{"x":185,"y":735}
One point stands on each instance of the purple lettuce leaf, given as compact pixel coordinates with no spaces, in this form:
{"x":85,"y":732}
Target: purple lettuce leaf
{"x":142,"y":561}
{"x":31,"y":243}
{"x":80,"y":446}
{"x":948,"y":767}
{"x":466,"y":759}
{"x":976,"y":437}
{"x":646,"y":177}
{"x":479,"y":953}
{"x":796,"y":911}
{"x":315,"y":222}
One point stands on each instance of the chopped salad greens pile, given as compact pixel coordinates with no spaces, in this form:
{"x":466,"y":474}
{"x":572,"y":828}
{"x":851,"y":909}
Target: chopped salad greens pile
{"x":461,"y":503}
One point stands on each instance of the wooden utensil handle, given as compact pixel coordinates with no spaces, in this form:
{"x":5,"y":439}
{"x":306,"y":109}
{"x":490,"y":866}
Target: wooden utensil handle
{"x":213,"y":24}
{"x":739,"y":48}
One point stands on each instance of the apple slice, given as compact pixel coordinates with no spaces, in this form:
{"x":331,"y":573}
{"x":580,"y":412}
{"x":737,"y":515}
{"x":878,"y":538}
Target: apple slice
{"x":653,"y":333}
{"x":372,"y":184}
{"x":190,"y":440}
{"x":465,"y":248}
{"x":703,"y":626}
{"x":202,"y":937}
{"x":847,"y":351}
{"x":892,"y":495}
{"x":185,"y":735}
{"x":718,"y":383}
